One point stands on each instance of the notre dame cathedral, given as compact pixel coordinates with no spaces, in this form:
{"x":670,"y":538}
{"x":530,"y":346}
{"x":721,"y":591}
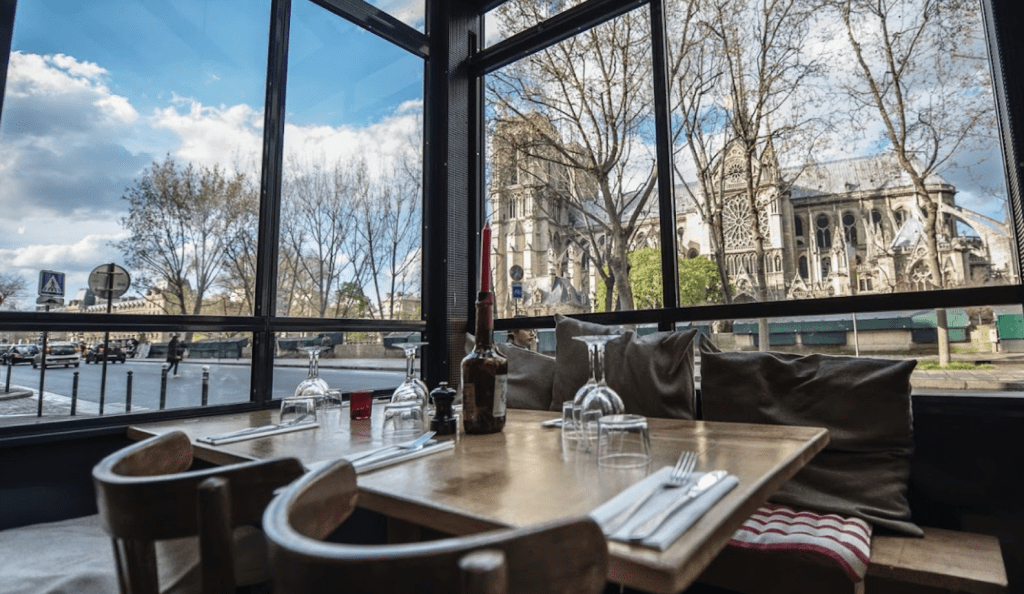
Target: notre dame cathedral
{"x":836,"y":228}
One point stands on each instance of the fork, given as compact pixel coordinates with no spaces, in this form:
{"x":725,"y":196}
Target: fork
{"x":679,"y":476}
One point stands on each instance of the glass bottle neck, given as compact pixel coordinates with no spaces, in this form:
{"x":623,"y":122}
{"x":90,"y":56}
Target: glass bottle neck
{"x":484,"y":335}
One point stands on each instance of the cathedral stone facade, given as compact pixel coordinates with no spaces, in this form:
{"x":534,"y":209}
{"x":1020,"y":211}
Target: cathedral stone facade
{"x":844,"y":227}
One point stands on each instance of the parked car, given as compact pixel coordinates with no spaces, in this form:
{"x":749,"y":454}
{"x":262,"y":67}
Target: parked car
{"x":96,"y":353}
{"x":59,"y":353}
{"x":20,"y":353}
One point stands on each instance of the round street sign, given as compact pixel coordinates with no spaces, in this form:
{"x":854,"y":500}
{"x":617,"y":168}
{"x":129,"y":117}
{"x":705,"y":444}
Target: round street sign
{"x":516,"y":272}
{"x":109,"y":275}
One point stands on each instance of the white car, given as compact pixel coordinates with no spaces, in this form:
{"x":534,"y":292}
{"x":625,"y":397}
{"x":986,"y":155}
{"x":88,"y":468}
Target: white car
{"x":59,"y":353}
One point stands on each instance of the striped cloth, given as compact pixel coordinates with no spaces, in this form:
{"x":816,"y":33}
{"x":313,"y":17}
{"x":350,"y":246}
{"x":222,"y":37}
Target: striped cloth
{"x":845,"y":541}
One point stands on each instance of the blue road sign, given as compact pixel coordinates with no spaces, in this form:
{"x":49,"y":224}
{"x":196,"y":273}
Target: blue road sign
{"x":51,"y":283}
{"x":517,"y":291}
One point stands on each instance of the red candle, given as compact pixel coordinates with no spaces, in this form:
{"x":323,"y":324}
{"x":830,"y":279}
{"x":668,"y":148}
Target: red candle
{"x":485,"y":258}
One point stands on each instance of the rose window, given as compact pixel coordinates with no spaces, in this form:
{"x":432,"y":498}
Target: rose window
{"x":736,"y":221}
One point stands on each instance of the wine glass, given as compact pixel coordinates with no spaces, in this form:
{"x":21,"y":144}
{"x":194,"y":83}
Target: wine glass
{"x":313,"y":386}
{"x":571,"y":432}
{"x":413,"y":388}
{"x":596,"y":398}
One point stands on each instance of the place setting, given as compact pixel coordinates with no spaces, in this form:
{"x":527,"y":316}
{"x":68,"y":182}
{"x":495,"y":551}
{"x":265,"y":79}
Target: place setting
{"x":657,"y":510}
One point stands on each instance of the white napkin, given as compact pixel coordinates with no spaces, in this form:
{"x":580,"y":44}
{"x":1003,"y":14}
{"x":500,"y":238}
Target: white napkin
{"x":392,"y":457}
{"x":677,"y":524}
{"x":233,"y":436}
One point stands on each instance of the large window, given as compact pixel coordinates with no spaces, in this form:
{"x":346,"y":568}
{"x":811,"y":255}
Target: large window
{"x":134,"y":140}
{"x":246,"y":191}
{"x":141,"y":140}
{"x":795,"y":174}
{"x":572,"y":185}
{"x":352,"y":182}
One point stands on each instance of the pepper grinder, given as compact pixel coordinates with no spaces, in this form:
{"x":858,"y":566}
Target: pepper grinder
{"x":444,"y":421}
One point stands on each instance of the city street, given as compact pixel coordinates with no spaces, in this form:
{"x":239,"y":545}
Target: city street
{"x":228,"y":382}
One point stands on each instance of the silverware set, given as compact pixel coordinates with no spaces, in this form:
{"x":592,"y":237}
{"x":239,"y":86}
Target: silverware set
{"x":680,"y":478}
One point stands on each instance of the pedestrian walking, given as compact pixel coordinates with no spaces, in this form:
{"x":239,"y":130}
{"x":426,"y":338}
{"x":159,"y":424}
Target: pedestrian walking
{"x":173,"y":356}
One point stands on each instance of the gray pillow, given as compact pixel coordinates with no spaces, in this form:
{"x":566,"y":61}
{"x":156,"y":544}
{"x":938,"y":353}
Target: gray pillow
{"x":863,"y":402}
{"x":530,"y":376}
{"x":653,"y":374}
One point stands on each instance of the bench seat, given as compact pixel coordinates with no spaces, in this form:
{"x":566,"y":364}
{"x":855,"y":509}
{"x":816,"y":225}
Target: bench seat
{"x":942,"y":561}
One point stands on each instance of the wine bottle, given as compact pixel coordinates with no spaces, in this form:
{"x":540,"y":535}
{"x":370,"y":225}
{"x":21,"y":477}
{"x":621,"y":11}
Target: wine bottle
{"x":484,"y":375}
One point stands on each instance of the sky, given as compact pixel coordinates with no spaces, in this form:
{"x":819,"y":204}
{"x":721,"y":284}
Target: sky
{"x":97,"y":91}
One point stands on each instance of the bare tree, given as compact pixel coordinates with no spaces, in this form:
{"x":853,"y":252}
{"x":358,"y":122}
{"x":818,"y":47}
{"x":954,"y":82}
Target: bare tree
{"x":12,"y":285}
{"x":919,"y":67}
{"x":389,"y":219}
{"x":317,"y":229}
{"x":239,"y":275}
{"x":180,"y":221}
{"x":592,"y":94}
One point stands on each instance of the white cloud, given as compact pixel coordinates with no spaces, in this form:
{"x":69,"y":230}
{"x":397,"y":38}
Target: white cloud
{"x":212,"y":135}
{"x":378,"y":143}
{"x":64,"y":135}
{"x":76,"y":259}
{"x":410,"y":12}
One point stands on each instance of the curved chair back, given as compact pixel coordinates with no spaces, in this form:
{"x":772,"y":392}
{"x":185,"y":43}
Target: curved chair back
{"x":561,"y":557}
{"x":146,"y":493}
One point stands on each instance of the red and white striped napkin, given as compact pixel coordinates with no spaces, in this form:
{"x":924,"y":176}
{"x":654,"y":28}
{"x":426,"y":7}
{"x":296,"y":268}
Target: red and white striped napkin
{"x":845,"y":541}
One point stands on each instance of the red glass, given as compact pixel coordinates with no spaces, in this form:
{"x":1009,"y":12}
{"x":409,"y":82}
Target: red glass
{"x":360,"y":405}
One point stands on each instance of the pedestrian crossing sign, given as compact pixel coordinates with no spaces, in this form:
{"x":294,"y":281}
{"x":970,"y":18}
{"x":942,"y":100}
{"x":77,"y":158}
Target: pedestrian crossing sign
{"x":51,"y":283}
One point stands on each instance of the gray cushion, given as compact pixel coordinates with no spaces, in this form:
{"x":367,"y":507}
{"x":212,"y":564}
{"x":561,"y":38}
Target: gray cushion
{"x":530,"y":376}
{"x":863,"y":402}
{"x":653,"y":374}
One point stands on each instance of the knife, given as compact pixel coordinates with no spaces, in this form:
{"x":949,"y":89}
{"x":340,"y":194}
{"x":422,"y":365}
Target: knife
{"x":651,"y":526}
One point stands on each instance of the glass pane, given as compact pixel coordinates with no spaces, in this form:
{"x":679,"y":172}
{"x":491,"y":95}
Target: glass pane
{"x":984,"y":340}
{"x":822,"y":192}
{"x":87,"y":374}
{"x":516,"y":16}
{"x":571,"y":170}
{"x":410,"y":12}
{"x":352,"y":186}
{"x":134,"y":140}
{"x":347,"y":361}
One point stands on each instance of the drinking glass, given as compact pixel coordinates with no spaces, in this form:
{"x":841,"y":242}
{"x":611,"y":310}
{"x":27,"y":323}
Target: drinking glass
{"x":298,"y":409}
{"x":403,"y":419}
{"x":623,"y":441}
{"x":413,"y":388}
{"x":360,"y":405}
{"x":598,"y":399}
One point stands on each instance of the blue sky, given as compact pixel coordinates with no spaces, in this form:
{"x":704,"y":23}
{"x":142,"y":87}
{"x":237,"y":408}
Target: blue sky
{"x":99,"y":90}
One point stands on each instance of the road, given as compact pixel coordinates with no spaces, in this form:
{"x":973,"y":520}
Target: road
{"x":228,"y":383}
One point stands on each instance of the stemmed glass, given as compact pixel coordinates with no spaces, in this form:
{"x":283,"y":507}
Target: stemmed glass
{"x":313,"y":386}
{"x":596,"y":398}
{"x":413,"y":388}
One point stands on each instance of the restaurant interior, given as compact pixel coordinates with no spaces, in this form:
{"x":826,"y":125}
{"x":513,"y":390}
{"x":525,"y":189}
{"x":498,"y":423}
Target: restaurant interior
{"x":967,"y":463}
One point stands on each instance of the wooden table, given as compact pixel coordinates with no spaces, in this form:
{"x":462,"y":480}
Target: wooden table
{"x":521,"y":476}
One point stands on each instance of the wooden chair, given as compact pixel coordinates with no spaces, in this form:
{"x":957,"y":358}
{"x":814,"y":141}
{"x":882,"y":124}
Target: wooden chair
{"x":146,"y":493}
{"x":564,"y":557}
